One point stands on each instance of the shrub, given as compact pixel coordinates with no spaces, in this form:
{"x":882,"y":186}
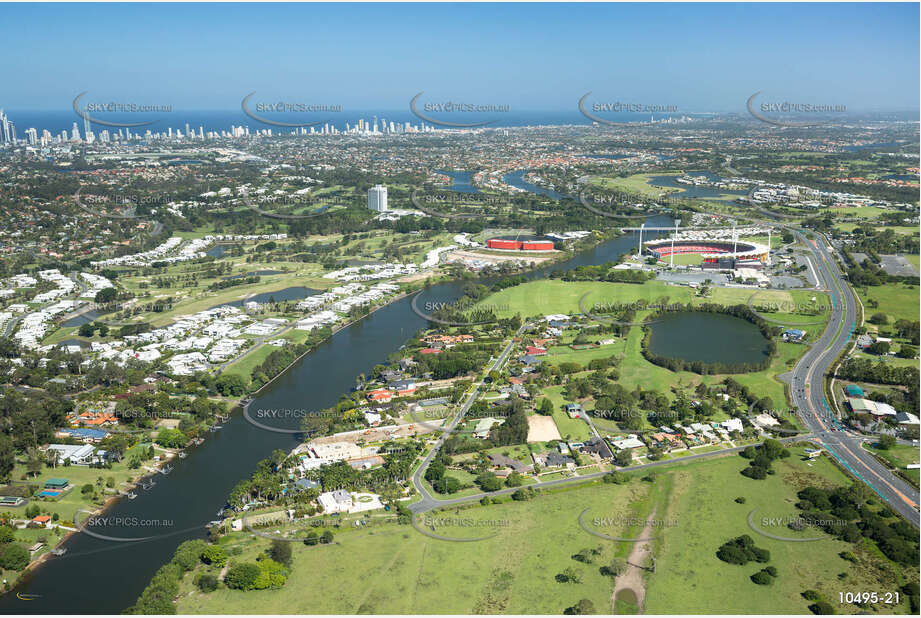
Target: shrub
{"x":206,"y":582}
{"x":810,"y":595}
{"x":762,"y":578}
{"x":584,"y":606}
{"x":214,"y":555}
{"x":242,"y":576}
{"x":821,"y":608}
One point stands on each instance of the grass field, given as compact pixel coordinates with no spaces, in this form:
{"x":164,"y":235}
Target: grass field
{"x":546,"y":296}
{"x":388,"y":568}
{"x":394,"y":569}
{"x":637,"y":183}
{"x":896,"y":300}
{"x":691,"y":579}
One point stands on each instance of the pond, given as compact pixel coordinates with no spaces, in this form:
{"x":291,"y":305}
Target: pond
{"x":707,"y":337}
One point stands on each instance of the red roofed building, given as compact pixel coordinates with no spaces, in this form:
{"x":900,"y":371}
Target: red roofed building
{"x":535,"y":351}
{"x":429,"y":351}
{"x":381,"y":394}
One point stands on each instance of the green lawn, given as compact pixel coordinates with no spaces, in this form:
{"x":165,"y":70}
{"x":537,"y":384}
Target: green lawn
{"x":68,"y":505}
{"x":394,"y":569}
{"x":570,"y":428}
{"x":900,"y":456}
{"x":389,"y":568}
{"x":691,"y":579}
{"x":896,"y":300}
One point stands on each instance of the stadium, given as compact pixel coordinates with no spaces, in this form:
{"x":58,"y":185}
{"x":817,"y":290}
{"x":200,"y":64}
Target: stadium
{"x":715,"y":253}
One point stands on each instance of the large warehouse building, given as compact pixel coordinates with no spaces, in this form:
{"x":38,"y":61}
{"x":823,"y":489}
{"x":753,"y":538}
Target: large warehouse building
{"x":509,"y":244}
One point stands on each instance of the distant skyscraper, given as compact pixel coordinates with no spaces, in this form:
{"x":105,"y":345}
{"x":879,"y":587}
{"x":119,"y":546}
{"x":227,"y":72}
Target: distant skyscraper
{"x":75,"y":133}
{"x":377,"y":198}
{"x":7,"y":130}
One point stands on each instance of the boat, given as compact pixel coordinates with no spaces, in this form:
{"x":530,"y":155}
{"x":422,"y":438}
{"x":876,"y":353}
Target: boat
{"x":59,"y":551}
{"x":131,"y":495}
{"x":183,"y":454}
{"x":148,"y":484}
{"x":216,"y":427}
{"x":166,"y":469}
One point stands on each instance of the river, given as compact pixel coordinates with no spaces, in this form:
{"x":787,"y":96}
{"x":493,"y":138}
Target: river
{"x":99,"y":576}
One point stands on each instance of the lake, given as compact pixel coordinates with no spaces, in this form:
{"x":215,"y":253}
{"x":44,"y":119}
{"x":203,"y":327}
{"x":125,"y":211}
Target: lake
{"x":707,"y":337}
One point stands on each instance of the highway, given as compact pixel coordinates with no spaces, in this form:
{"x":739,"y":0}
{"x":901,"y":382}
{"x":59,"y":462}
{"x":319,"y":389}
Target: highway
{"x":808,"y":390}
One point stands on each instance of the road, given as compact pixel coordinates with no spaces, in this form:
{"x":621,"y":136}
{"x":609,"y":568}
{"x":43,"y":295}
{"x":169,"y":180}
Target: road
{"x":808,"y":390}
{"x":428,"y":501}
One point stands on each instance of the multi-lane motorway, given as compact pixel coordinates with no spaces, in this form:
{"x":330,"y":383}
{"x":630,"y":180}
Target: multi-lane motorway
{"x":808,"y":390}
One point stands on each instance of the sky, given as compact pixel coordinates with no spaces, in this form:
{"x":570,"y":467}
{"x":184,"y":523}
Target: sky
{"x":700,"y":57}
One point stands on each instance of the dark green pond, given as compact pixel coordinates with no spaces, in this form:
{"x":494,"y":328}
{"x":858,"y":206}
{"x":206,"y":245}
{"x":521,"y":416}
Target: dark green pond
{"x":707,"y":337}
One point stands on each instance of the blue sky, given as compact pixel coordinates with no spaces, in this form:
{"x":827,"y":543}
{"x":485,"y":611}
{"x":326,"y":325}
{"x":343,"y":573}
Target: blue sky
{"x":702,"y":57}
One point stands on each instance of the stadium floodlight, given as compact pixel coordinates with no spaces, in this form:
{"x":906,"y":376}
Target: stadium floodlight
{"x":671,"y":258}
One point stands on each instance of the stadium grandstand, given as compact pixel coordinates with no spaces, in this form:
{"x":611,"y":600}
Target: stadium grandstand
{"x":715,"y":253}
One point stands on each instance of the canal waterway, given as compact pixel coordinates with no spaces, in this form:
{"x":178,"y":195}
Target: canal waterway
{"x":97,"y":576}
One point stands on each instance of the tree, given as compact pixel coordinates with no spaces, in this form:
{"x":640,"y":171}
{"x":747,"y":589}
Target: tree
{"x":230,"y":385}
{"x":14,"y":557}
{"x":106,"y":296}
{"x":584,"y":606}
{"x":545,"y":408}
{"x":214,"y":555}
{"x":569,"y":576}
{"x":206,"y":582}
{"x":488,"y":481}
{"x":885,"y":442}
{"x":280,"y":552}
{"x":242,"y":576}
{"x":514,"y":480}
{"x":327,"y":537}
{"x":7,"y":456}
{"x":762,"y":578}
{"x":616,"y":568}
{"x":879,"y":319}
{"x":446,"y":485}
{"x":435,"y":471}
{"x":822,"y":608}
